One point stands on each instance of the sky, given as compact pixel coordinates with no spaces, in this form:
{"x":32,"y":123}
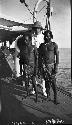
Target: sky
{"x":60,"y":19}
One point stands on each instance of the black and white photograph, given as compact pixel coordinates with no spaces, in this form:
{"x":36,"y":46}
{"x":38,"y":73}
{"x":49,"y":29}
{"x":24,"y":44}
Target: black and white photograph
{"x":35,"y":62}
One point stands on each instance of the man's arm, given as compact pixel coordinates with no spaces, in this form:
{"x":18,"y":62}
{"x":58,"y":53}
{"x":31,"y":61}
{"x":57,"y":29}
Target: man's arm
{"x":57,"y":57}
{"x":56,"y":51}
{"x":40,"y":57}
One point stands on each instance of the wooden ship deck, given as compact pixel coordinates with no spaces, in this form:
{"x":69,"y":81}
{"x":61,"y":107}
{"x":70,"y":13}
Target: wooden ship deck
{"x":17,"y":108}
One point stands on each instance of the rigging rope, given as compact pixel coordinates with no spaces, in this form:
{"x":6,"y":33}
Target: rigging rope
{"x":29,"y":9}
{"x":23,"y":1}
{"x":42,"y":8}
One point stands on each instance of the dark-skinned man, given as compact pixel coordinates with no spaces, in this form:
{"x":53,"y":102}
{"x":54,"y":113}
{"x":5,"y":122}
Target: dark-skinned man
{"x":28,"y":60}
{"x":48,"y":63}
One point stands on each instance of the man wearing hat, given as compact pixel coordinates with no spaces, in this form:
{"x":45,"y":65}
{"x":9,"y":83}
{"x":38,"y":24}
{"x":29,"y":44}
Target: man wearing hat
{"x":48,"y":63}
{"x":37,"y":39}
{"x":37,"y":36}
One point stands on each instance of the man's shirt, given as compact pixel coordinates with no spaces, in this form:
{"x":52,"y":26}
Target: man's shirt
{"x":37,"y":39}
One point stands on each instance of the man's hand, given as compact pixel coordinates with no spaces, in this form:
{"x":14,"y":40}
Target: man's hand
{"x":55,"y":68}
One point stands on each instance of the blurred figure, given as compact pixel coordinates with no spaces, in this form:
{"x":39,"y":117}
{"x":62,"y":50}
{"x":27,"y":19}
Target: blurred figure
{"x":17,"y":51}
{"x":48,"y":63}
{"x":21,"y":55}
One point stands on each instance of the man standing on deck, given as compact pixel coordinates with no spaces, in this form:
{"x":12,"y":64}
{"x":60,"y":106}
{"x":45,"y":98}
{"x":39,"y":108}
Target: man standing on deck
{"x":37,"y":39}
{"x":27,"y":59}
{"x":37,"y":36}
{"x":48,"y":63}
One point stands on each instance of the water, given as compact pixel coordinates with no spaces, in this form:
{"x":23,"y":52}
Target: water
{"x":64,"y":70}
{"x":65,"y":57}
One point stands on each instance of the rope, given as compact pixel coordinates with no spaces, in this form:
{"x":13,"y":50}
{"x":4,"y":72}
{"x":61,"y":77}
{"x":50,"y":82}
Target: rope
{"x":42,"y":9}
{"x":29,"y":9}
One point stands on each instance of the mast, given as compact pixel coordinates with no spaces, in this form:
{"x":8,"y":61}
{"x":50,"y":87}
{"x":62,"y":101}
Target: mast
{"x":48,"y":16}
{"x":35,"y":10}
{"x":48,"y":13}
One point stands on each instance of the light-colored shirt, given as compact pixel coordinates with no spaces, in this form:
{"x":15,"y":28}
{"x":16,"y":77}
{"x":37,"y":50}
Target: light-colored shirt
{"x":37,"y":39}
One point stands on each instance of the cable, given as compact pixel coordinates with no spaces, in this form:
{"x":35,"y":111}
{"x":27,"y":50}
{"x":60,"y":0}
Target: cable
{"x":29,"y":9}
{"x":42,"y":8}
